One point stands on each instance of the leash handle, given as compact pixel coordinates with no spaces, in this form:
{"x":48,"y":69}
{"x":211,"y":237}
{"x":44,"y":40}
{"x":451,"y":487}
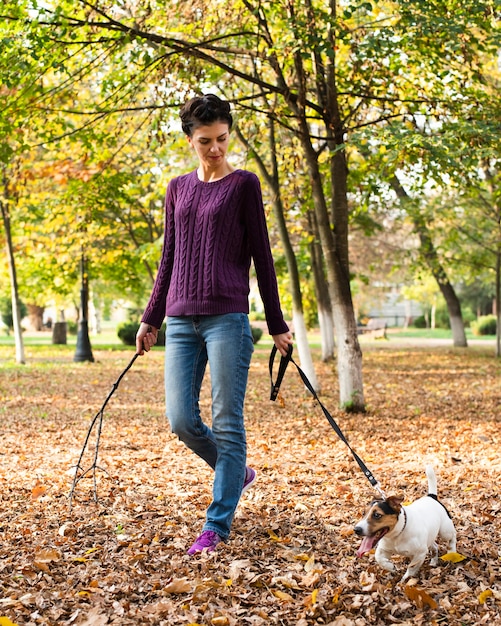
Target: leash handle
{"x":275,"y":388}
{"x":284,"y":361}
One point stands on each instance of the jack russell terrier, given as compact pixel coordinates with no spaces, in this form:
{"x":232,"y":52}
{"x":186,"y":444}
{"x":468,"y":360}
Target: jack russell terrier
{"x":406,"y":530}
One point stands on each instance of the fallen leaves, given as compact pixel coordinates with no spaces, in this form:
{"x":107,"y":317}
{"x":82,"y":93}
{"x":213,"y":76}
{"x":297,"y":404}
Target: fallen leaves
{"x":420,"y":597}
{"x":453,"y":557}
{"x":291,"y":556}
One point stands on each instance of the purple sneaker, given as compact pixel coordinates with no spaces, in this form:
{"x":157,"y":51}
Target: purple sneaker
{"x":208,"y":540}
{"x":250,"y":479}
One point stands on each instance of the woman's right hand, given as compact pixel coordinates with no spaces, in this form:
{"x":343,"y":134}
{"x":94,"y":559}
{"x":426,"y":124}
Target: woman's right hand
{"x":146,"y":337}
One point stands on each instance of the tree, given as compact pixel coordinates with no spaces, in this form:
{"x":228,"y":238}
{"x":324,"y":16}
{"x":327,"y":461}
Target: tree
{"x":271,"y":174}
{"x":333,"y":70}
{"x":431,"y":260}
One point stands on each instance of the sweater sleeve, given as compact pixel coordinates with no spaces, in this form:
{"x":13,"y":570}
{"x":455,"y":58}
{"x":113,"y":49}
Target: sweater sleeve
{"x":154,"y":313}
{"x":260,"y":249}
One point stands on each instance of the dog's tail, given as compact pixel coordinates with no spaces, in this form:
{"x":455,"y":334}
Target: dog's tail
{"x":432,"y":481}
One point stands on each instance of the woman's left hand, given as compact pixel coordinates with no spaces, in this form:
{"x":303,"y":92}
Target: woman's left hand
{"x":282,"y":342}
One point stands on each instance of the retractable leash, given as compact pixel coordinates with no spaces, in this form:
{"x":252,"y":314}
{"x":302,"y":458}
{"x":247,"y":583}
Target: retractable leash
{"x":275,"y":388}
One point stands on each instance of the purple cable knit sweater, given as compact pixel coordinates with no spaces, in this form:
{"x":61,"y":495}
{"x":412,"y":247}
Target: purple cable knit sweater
{"x":212,"y":230}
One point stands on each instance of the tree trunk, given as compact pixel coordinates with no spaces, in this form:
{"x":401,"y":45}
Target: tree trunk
{"x":300,"y":331}
{"x":16,"y":309}
{"x":349,"y":361}
{"x":326,"y":327}
{"x":324,"y":308}
{"x":498,"y":304}
{"x":59,"y":333}
{"x":35,"y":314}
{"x":430,"y":256}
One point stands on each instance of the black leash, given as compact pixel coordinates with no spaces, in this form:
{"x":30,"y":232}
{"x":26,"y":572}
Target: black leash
{"x":275,"y":388}
{"x":98,"y":418}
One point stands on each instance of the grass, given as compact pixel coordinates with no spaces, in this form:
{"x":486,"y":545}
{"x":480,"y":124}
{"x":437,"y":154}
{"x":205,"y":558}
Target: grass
{"x":436,"y":333}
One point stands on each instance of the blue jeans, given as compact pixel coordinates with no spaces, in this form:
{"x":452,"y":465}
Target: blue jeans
{"x":225,"y":342}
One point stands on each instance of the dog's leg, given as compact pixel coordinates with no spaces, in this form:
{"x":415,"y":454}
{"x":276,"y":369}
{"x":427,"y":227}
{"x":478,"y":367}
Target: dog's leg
{"x":452,"y":543}
{"x":434,"y":554}
{"x":415,"y":565}
{"x":448,"y":533}
{"x":382,"y":557}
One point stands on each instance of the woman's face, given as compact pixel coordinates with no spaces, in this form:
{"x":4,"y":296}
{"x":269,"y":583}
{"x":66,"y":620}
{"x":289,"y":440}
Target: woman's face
{"x":211,"y":144}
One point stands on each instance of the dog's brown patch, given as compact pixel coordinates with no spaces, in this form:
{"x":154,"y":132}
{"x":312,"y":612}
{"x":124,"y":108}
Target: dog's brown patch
{"x":379,"y":520}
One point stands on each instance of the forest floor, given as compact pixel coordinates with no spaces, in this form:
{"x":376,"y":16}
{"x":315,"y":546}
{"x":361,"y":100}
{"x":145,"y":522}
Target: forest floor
{"x":291,"y":557}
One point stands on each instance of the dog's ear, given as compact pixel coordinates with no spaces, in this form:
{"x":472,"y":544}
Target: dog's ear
{"x":395,"y":503}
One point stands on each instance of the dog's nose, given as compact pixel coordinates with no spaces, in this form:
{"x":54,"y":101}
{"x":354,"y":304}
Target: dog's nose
{"x":358,"y":530}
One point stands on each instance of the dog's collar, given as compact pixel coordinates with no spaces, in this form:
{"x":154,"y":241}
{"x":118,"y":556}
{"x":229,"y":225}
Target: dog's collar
{"x":405,"y":521}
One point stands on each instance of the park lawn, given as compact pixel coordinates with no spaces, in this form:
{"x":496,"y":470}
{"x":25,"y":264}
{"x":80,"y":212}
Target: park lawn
{"x":291,"y":556}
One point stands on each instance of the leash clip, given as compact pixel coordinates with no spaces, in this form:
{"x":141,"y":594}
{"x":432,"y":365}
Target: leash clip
{"x":381,"y":492}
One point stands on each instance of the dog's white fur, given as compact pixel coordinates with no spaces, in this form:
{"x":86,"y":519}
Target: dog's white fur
{"x":413,"y":530}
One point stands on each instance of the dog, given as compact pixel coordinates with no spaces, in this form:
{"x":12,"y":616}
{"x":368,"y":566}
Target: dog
{"x":406,"y":530}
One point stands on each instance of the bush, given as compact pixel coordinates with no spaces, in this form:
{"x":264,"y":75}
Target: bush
{"x":257,"y":333}
{"x":6,"y":311}
{"x":485,"y":325}
{"x":468,"y":316}
{"x":442,"y":318}
{"x":127,"y":331}
{"x":419,"y":322}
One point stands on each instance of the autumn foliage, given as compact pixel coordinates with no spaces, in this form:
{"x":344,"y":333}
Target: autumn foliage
{"x":291,"y":556}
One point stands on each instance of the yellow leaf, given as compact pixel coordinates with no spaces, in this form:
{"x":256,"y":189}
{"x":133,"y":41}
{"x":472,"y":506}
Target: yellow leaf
{"x":484,"y":595}
{"x":91,"y":550}
{"x":5,"y":621}
{"x":314,"y":595}
{"x":273,"y":535}
{"x":220,"y":620}
{"x":80,"y":559}
{"x":336,"y":596}
{"x":453,"y":557}
{"x":281,"y":595}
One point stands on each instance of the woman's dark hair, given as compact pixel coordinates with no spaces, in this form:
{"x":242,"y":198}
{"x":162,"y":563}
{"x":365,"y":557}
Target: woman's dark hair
{"x":204,"y":110}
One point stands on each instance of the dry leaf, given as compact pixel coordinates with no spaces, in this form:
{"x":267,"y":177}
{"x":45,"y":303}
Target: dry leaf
{"x":38,"y":490}
{"x":281,"y":595}
{"x":311,"y":493}
{"x":46,"y":556}
{"x":95,"y":617}
{"x":180,"y":585}
{"x":453,"y":557}
{"x":237,"y":566}
{"x":484,"y":595}
{"x":420,"y":597}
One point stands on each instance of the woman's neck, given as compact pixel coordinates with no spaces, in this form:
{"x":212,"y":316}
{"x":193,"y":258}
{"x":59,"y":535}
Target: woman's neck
{"x":209,"y":175}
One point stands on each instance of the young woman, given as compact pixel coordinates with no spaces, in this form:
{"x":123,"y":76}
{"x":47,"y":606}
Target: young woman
{"x":214,"y":225}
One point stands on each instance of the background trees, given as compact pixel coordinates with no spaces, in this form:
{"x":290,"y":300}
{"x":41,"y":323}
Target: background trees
{"x":367,"y":100}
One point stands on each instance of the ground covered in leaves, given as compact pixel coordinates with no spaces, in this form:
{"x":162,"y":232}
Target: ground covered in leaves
{"x":291,"y":556}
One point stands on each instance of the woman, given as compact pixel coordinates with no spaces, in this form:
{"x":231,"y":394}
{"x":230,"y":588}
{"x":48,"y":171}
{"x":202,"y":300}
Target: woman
{"x":214,"y":225}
